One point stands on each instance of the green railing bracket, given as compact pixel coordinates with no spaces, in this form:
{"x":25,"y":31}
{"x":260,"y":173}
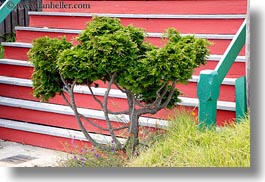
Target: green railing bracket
{"x":208,"y":93}
{"x":6,"y":8}
{"x":241,"y":99}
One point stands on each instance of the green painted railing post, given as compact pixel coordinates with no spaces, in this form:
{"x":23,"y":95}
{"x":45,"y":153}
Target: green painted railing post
{"x":6,"y":8}
{"x":208,"y":87}
{"x":208,"y":93}
{"x":241,"y":99}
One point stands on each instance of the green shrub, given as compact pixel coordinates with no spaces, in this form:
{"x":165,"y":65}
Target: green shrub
{"x":109,"y":51}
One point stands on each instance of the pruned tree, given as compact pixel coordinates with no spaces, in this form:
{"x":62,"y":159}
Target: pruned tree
{"x":118,"y":55}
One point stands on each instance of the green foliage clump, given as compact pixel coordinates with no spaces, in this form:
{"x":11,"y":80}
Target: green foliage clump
{"x":44,"y":55}
{"x":107,"y":47}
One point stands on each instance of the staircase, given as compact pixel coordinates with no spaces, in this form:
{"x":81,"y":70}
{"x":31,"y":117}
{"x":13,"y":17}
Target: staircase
{"x":52,"y":125}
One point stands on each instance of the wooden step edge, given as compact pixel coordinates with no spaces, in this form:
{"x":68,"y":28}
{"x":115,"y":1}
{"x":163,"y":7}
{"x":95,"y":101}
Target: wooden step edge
{"x":193,"y":102}
{"x":154,"y":35}
{"x":154,"y":16}
{"x":66,"y":110}
{"x":55,"y":131}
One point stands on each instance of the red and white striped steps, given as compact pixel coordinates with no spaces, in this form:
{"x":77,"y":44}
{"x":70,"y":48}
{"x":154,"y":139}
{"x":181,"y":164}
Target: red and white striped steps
{"x":27,"y":120}
{"x":27,"y":34}
{"x":18,"y":51}
{"x":10,"y":85}
{"x":25,"y":69}
{"x":57,"y":115}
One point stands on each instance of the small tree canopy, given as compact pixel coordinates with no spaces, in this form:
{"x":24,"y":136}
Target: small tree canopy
{"x":109,"y":51}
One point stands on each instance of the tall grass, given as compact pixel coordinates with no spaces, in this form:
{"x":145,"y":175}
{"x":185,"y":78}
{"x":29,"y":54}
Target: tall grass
{"x":1,"y":51}
{"x":7,"y":37}
{"x":185,"y":146}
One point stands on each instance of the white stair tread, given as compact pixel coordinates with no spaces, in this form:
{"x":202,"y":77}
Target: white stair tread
{"x":54,"y":131}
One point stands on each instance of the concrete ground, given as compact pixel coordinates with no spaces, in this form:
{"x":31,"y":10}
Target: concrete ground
{"x":18,"y":155}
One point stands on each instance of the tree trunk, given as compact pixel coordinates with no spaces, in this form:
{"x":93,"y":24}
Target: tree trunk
{"x":133,"y":140}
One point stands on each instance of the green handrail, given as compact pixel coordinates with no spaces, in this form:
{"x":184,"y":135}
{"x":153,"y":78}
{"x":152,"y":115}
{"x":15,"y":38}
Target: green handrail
{"x":6,"y":8}
{"x":208,"y":88}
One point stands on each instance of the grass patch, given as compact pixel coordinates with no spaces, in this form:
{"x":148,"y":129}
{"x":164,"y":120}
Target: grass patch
{"x":185,"y":146}
{"x":1,"y":51}
{"x":182,"y":145}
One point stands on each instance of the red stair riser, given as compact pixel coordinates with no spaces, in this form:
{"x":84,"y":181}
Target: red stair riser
{"x":21,"y":71}
{"x":227,"y":92}
{"x":41,"y":140}
{"x":157,"y":6}
{"x":150,"y":25}
{"x":53,"y":119}
{"x":29,"y":36}
{"x":237,"y":70}
{"x":18,"y":53}
{"x":218,"y":46}
{"x":82,"y":100}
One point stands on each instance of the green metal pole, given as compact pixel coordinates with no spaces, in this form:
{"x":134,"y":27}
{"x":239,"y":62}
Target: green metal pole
{"x":6,"y":8}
